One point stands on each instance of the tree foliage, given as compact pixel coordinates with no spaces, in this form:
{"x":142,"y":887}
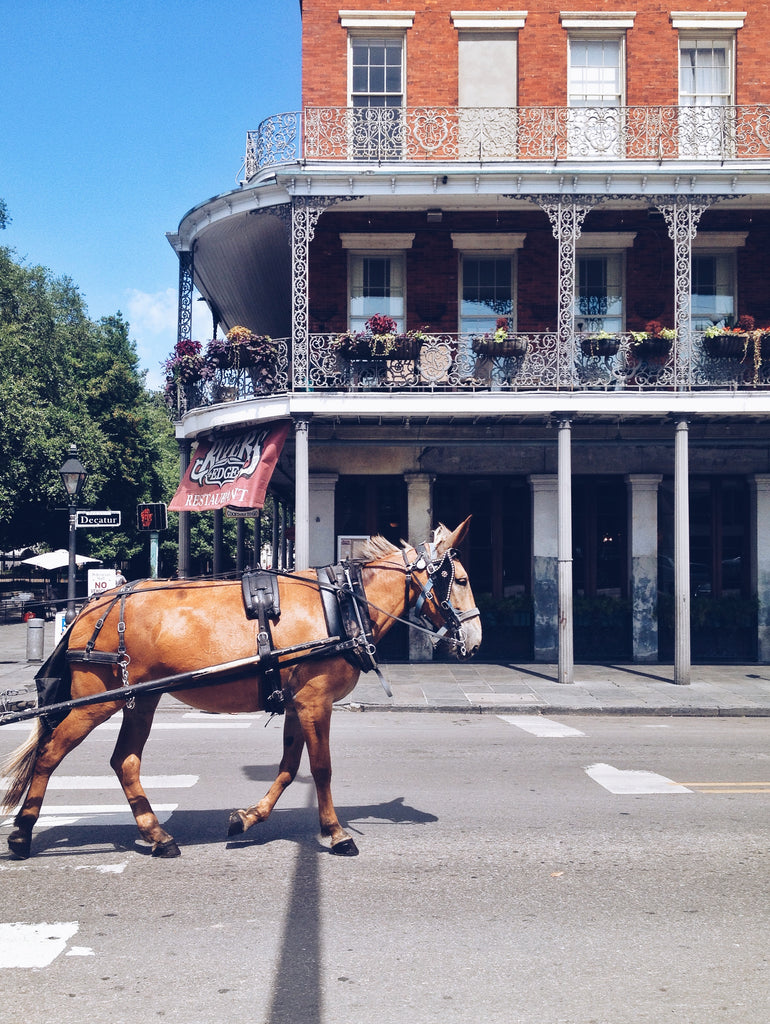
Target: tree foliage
{"x":65,"y":378}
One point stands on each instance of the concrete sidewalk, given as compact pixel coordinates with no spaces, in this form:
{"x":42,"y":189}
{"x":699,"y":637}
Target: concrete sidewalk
{"x":478,"y":687}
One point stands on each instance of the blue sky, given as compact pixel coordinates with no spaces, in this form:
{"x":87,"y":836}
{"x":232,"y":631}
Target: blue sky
{"x":116,"y":118}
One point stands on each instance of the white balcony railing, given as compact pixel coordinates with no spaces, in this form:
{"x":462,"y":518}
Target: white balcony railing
{"x":489,"y":134}
{"x":540,"y":362}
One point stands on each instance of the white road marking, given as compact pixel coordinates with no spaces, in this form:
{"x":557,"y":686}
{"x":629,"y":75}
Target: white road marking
{"x":539,"y":726}
{"x":34,"y":945}
{"x":94,"y":814}
{"x":113,"y":724}
{"x":80,"y":951}
{"x":207,"y":722}
{"x":104,"y":869}
{"x":111,"y":781}
{"x":247,"y":716}
{"x":633,"y":783}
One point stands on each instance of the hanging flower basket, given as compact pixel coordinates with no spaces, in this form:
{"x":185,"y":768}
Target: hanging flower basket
{"x":380,"y":346}
{"x":600,"y":347}
{"x":729,"y":345}
{"x":512,"y":345}
{"x":651,"y":348}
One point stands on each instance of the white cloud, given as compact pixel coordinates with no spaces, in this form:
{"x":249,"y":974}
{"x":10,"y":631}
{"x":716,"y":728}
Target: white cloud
{"x":153,"y":313}
{"x":153,"y":320}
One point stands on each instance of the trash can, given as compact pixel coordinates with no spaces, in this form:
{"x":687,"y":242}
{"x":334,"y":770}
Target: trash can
{"x":35,"y":639}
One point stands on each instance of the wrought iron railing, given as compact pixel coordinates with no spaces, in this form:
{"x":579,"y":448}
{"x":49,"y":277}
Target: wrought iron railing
{"x":488,"y":134}
{"x":529,"y":362}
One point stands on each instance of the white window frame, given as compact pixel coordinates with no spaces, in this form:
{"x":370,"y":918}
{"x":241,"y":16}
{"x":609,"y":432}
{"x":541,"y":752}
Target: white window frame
{"x":372,"y":133}
{"x":387,"y":37}
{"x":707,"y":130}
{"x":356,"y":321}
{"x":700,"y":40}
{"x":510,"y":257}
{"x":585,"y":323}
{"x":488,"y":245}
{"x":720,"y":243}
{"x":595,"y":130}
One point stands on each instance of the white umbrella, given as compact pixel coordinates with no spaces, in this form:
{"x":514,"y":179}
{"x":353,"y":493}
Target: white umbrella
{"x":58,"y":559}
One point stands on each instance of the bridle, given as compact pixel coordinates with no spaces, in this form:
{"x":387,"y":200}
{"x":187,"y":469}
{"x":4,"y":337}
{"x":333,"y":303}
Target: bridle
{"x":439,"y":579}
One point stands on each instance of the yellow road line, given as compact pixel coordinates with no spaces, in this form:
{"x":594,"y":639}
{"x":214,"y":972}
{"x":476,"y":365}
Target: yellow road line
{"x":696,"y":784}
{"x":728,"y":787}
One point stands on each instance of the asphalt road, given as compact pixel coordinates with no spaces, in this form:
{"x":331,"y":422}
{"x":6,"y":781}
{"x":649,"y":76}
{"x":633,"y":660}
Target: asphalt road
{"x":614,"y":872}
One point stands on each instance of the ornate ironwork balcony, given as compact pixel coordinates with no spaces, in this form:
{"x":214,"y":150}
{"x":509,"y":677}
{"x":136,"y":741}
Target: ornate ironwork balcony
{"x":490,"y":134}
{"x":535,"y":362}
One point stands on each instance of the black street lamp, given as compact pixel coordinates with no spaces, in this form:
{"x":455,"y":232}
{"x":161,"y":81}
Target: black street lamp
{"x":73,"y":474}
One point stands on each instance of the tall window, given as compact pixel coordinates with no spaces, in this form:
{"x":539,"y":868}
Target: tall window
{"x":377,"y":96}
{"x":376,"y":286}
{"x":713,"y":289}
{"x":487,"y":293}
{"x":376,"y":72}
{"x":599,"y":293}
{"x":595,"y":83}
{"x":705,"y":89}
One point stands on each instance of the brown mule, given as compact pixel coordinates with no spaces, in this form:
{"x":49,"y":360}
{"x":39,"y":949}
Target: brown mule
{"x":182,"y":627}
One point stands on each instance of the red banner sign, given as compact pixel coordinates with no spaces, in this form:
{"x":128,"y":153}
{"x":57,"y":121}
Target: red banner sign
{"x":233,"y":470}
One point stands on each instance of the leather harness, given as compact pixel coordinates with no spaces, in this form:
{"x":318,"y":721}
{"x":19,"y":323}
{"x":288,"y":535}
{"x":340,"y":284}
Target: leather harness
{"x":346,"y":610}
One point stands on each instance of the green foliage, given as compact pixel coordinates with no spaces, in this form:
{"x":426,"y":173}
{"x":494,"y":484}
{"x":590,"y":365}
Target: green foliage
{"x":65,"y":378}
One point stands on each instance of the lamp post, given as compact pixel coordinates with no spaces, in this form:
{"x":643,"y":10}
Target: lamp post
{"x":73,"y":474}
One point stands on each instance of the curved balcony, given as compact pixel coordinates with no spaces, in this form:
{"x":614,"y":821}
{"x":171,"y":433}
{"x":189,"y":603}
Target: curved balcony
{"x":500,"y":134}
{"x":531,"y":362}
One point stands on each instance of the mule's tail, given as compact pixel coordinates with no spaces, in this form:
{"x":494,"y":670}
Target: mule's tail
{"x":18,"y":766}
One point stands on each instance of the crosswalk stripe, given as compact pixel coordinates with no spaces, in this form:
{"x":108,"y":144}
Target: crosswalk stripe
{"x":93,"y":814}
{"x":539,"y":726}
{"x":113,"y":724}
{"x":633,"y":783}
{"x":111,"y":781}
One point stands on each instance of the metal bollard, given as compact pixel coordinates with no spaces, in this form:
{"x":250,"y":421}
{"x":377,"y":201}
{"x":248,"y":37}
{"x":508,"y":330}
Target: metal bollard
{"x":35,"y":639}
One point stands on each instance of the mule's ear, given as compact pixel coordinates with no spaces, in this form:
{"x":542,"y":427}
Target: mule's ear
{"x":445,"y":541}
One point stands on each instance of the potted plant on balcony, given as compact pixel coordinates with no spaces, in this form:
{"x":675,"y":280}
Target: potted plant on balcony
{"x":503,"y":342}
{"x":602,"y":344}
{"x":185,"y":370}
{"x":380,"y":340}
{"x":654,"y":342}
{"x":242,"y":349}
{"x":725,"y":342}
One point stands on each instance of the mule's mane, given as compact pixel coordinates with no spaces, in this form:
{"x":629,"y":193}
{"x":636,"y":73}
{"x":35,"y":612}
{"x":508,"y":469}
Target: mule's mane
{"x":376,"y":547}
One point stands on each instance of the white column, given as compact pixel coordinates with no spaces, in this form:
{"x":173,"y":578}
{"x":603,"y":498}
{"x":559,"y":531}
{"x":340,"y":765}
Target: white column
{"x":545,"y":600}
{"x":322,"y":547}
{"x":681,"y":555}
{"x":419,"y":497}
{"x":301,"y":494}
{"x":760,"y":569}
{"x":643,"y":558}
{"x":566,"y":655}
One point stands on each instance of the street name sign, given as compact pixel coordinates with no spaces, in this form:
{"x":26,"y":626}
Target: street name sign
{"x":94,"y":520}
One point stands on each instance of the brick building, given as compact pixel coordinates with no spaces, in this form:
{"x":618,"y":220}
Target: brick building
{"x":564,"y":214}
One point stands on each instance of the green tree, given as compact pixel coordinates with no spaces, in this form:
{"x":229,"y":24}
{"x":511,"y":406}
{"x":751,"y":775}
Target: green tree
{"x":65,"y":378}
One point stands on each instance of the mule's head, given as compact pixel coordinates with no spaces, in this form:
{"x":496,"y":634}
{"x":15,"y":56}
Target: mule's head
{"x":450,"y":605}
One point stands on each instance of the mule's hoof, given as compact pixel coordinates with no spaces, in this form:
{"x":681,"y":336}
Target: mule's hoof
{"x":20,"y":843}
{"x":235,"y":825}
{"x":345,"y":848}
{"x":167,"y":849}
